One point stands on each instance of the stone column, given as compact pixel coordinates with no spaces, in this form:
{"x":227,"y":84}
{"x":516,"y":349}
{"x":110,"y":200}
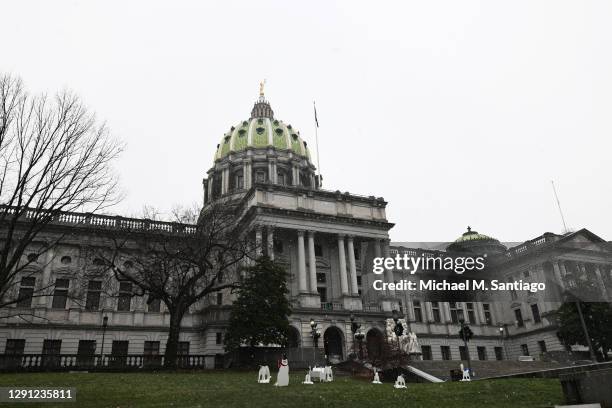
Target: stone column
{"x":211,"y":179}
{"x":258,"y":241}
{"x":342,"y":264}
{"x":270,"y":242}
{"x":557,"y":272}
{"x":295,"y":180}
{"x":352,"y":267}
{"x":224,"y":181}
{"x":43,"y":301}
{"x":247,"y":173}
{"x":601,"y":282}
{"x":388,"y":272}
{"x":301,"y":263}
{"x":312,"y":262}
{"x":205,"y":188}
{"x":563,"y":269}
{"x":272,"y":170}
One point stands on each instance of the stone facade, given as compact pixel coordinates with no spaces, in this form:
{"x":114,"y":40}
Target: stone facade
{"x":326,"y":240}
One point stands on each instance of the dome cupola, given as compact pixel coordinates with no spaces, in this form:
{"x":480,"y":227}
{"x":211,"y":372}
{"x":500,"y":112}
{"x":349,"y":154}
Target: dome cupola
{"x":260,"y":149}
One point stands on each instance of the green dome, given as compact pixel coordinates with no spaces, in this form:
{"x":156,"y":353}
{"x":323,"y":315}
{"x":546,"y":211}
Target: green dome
{"x":261,"y":132}
{"x":472,"y":241}
{"x":473,"y":236}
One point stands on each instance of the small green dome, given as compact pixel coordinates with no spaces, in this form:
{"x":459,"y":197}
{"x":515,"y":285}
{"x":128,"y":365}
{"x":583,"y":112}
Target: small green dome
{"x":473,"y":236}
{"x":261,"y":131}
{"x":472,"y":241}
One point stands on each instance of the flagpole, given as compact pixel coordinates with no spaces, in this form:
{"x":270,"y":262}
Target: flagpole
{"x":317,"y":143}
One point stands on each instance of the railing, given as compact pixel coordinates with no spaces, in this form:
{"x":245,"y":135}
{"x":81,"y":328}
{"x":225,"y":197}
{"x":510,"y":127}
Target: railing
{"x":332,"y":306}
{"x":104,"y":221}
{"x":61,"y":362}
{"x":526,"y":246}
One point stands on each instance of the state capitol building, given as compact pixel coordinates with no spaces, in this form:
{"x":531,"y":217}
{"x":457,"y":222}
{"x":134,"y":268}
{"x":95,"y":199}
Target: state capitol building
{"x":326,"y":240}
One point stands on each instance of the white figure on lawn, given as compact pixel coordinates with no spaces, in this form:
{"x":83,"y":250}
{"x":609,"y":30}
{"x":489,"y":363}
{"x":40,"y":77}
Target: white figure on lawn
{"x":329,"y":375}
{"x":466,"y":373}
{"x":400,"y":382}
{"x":282,"y":379}
{"x":307,"y":379}
{"x":264,"y":375}
{"x":376,"y":378}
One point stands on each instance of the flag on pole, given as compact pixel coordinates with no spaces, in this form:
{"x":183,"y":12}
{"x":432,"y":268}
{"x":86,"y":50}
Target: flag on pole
{"x":315,"y":112}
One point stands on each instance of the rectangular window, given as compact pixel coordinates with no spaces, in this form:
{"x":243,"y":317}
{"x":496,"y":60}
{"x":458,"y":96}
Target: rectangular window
{"x":470,"y":312}
{"x":119,"y":352}
{"x":322,"y":294}
{"x":512,"y":291}
{"x":359,"y":280}
{"x":239,"y":182}
{"x":318,"y":250}
{"x":518,"y":316}
{"x":154,"y":305}
{"x":219,"y":299}
{"x":86,"y":353}
{"x":499,"y":353}
{"x":482,"y":352}
{"x":487,"y":313}
{"x":183,"y":348}
{"x":524,"y":349}
{"x":278,"y":246}
{"x":542,"y":346}
{"x":13,"y":352}
{"x":435,"y":308}
{"x":26,"y":291}
{"x":151,"y":352}
{"x":463,"y":353}
{"x":14,"y":347}
{"x":51,"y":353}
{"x":219,"y":338}
{"x":93,"y":295}
{"x":535,"y":311}
{"x":456,"y":312}
{"x":426,"y":350}
{"x":124,"y":304}
{"x":418,"y":315}
{"x":446,"y":352}
{"x":60,"y":293}
{"x":321,"y":278}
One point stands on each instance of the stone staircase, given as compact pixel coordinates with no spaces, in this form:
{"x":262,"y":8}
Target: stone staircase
{"x":483,"y":369}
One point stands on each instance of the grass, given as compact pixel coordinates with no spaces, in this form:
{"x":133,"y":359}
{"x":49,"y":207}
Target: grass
{"x":239,"y":389}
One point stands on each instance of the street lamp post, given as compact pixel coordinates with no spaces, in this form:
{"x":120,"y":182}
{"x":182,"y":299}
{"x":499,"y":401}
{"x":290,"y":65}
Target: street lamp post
{"x":316,"y":333}
{"x":360,"y":336}
{"x":398,"y":330}
{"x":465,"y":336}
{"x":104,"y":325}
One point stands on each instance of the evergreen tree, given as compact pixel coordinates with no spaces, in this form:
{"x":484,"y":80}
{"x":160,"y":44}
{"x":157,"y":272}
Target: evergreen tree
{"x":260,"y":313}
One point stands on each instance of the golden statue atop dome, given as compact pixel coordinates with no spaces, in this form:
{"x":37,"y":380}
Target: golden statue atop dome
{"x":261,"y":87}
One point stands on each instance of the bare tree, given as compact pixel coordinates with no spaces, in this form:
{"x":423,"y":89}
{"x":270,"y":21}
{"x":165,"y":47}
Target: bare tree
{"x":54,"y":158}
{"x":183,"y":266}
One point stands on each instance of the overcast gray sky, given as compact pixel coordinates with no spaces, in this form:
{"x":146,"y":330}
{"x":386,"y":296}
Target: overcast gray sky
{"x":457,"y":112}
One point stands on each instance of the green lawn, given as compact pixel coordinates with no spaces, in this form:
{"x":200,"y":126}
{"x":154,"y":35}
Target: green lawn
{"x":235,"y":389}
